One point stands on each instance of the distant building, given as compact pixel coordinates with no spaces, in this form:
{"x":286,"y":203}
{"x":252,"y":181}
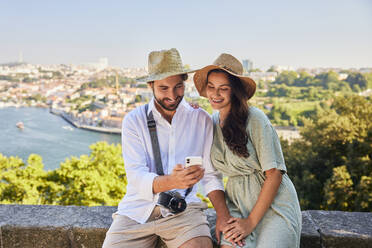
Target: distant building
{"x":264,"y":76}
{"x":99,"y":66}
{"x":342,"y":76}
{"x":247,"y":65}
{"x":281,"y":68}
{"x":103,"y":62}
{"x":288,"y":133}
{"x":365,"y":70}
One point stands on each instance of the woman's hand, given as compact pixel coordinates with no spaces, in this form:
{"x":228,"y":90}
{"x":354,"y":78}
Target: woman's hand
{"x":221,"y":223}
{"x":217,"y":197}
{"x":237,"y":229}
{"x":194,"y":105}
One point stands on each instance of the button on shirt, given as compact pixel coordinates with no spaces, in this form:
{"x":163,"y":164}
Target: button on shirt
{"x":189,"y":134}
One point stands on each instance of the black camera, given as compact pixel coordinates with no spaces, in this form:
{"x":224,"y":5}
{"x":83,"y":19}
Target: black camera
{"x":172,"y":201}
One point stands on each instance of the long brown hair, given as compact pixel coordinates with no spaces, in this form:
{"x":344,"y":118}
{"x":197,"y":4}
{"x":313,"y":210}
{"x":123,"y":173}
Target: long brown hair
{"x":234,"y":128}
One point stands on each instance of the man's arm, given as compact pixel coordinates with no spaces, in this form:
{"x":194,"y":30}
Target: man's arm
{"x":134,"y":154}
{"x":138,"y":173}
{"x":212,"y":179}
{"x":217,"y":198}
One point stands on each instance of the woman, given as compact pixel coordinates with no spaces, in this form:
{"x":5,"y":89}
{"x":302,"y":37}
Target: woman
{"x":261,"y":198}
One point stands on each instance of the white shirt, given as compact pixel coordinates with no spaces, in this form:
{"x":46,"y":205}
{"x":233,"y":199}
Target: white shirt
{"x":189,"y":134}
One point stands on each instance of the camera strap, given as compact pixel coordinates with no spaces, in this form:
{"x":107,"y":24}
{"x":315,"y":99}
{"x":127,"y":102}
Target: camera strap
{"x":151,"y":124}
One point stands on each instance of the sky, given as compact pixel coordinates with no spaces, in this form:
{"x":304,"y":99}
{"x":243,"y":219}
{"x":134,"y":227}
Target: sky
{"x":317,"y":33}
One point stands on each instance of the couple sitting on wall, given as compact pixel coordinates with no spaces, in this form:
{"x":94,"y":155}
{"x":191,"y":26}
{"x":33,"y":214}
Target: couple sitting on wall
{"x":169,"y":146}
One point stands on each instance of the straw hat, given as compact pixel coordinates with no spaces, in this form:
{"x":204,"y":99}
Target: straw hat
{"x":229,"y":64}
{"x":163,"y":64}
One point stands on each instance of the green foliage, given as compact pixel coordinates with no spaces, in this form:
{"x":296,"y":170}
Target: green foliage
{"x":287,"y":82}
{"x":292,"y":113}
{"x":357,"y":80}
{"x":204,"y":103}
{"x":292,"y":87}
{"x":138,"y":98}
{"x":20,"y":183}
{"x":29,"y":80}
{"x":37,"y":98}
{"x":336,"y":137}
{"x":338,"y":190}
{"x":286,"y":77}
{"x":368,"y":77}
{"x":309,"y":93}
{"x":364,"y":189}
{"x":97,"y":179}
{"x":8,"y":78}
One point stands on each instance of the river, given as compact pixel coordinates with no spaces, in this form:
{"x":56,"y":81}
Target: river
{"x":45,"y":134}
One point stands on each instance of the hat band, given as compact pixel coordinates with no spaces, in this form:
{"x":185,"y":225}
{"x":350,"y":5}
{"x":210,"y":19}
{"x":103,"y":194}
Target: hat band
{"x":229,"y":69}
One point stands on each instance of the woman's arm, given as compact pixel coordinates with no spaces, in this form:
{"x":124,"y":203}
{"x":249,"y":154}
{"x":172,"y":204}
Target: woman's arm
{"x":240,"y":228}
{"x":266,"y":196}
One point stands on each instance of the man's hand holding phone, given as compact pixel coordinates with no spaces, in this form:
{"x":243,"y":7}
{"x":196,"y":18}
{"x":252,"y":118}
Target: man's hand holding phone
{"x":193,"y":160}
{"x":186,"y":176}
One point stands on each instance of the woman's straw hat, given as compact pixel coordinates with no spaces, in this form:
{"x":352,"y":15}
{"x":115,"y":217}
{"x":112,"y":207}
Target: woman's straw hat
{"x":229,"y":64}
{"x":163,"y":64}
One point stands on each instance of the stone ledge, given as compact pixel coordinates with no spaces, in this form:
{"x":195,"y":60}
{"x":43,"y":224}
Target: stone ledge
{"x":29,"y":226}
{"x":343,"y":229}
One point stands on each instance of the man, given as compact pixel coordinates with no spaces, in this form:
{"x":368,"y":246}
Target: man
{"x":181,"y":131}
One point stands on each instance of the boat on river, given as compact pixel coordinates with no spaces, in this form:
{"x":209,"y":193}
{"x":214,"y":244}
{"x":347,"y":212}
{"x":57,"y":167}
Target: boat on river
{"x":20,"y":125}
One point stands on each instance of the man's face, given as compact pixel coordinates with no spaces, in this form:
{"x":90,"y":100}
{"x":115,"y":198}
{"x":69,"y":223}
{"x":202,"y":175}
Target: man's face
{"x":168,"y":92}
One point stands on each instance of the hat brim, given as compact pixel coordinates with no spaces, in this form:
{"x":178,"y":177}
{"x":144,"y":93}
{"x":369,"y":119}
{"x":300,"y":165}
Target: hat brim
{"x":200,"y":80}
{"x":160,"y":76}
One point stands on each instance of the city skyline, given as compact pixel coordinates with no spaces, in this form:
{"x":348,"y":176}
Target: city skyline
{"x":317,"y":34}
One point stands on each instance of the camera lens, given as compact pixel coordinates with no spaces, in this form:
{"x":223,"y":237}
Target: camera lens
{"x":188,"y":160}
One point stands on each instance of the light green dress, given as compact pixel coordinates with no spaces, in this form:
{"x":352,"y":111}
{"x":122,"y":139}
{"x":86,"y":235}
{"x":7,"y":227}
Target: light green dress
{"x":281,"y":225}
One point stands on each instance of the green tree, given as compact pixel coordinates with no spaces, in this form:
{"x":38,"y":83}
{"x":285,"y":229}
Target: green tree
{"x":271,"y":69}
{"x":95,"y":179}
{"x":364,"y":197}
{"x":334,"y":137}
{"x":20,"y":183}
{"x":138,"y":98}
{"x":338,"y":190}
{"x":329,"y":80}
{"x":368,"y":77}
{"x":357,"y":81}
{"x":286,"y":77}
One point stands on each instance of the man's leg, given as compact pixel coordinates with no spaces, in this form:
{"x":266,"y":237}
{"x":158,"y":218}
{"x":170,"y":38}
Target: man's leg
{"x":198,"y":242}
{"x":125,"y":232}
{"x":188,"y":229}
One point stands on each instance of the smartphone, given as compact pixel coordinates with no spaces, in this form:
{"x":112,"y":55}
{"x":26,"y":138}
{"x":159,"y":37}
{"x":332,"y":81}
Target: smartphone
{"x":193,"y":160}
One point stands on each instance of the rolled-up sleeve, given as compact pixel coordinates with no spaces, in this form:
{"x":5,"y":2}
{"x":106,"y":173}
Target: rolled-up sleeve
{"x":212,"y":179}
{"x":138,"y":173}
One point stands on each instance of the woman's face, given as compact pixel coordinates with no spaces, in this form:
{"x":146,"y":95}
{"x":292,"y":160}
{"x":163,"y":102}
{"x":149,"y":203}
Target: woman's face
{"x":219,"y":91}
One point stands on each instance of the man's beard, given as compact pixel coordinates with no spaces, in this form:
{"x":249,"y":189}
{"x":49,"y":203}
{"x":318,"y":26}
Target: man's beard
{"x":169,"y":108}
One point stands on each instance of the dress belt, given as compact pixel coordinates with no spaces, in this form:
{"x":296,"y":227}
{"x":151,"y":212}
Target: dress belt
{"x":254,"y":171}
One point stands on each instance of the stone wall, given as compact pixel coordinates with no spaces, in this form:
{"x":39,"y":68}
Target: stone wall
{"x":72,"y":226}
